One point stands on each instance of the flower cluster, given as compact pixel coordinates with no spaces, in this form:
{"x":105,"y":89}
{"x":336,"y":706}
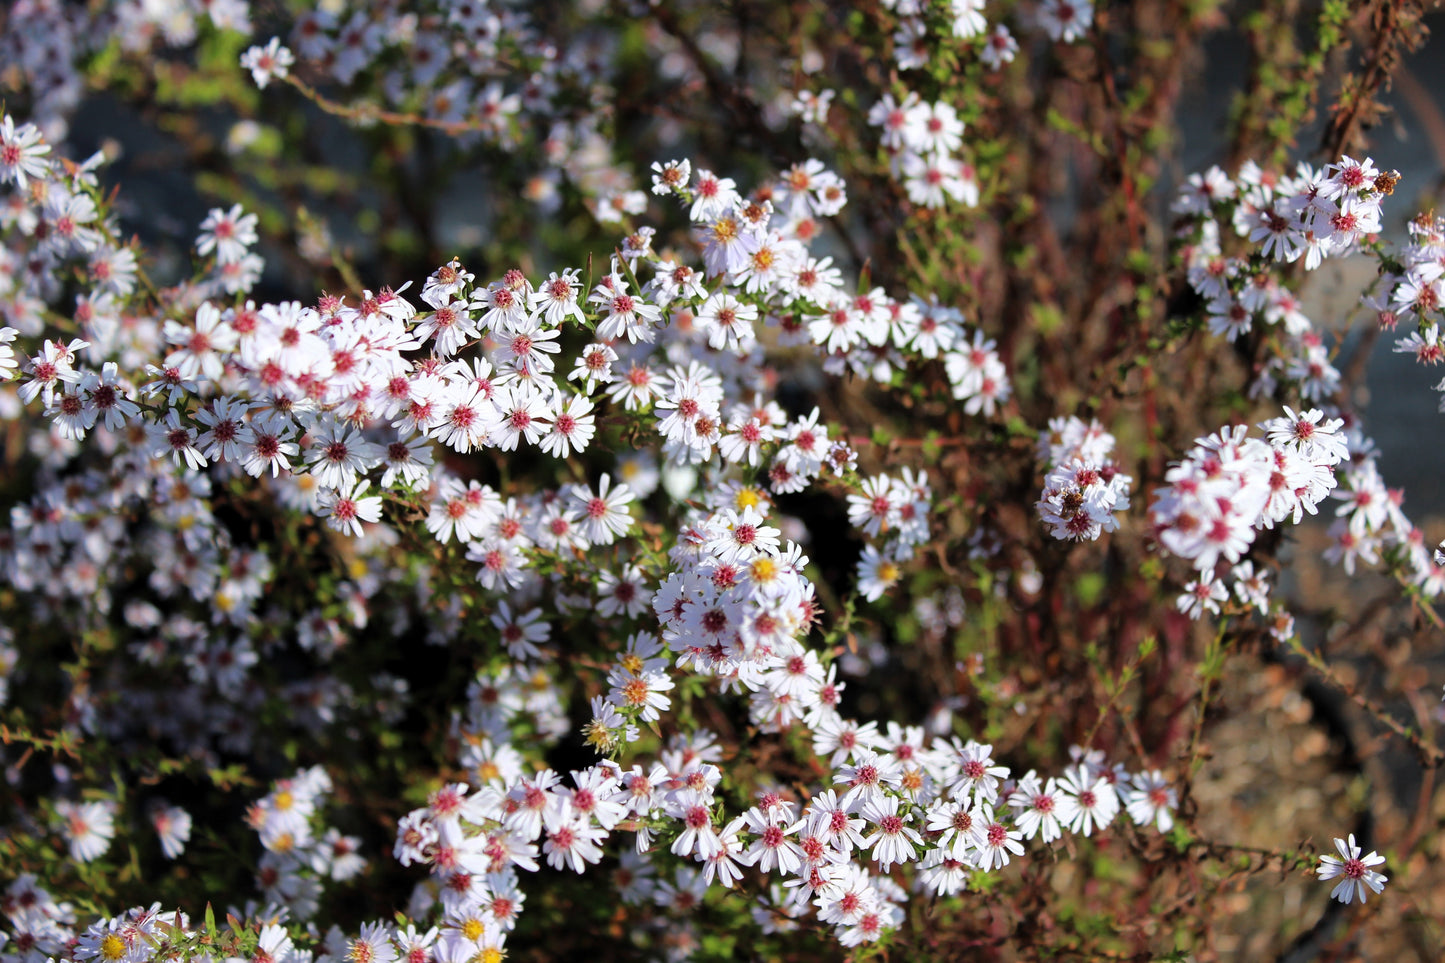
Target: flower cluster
{"x":915,"y":45}
{"x":893,"y":513}
{"x":1314,"y":215}
{"x":228,"y":236}
{"x":1230,"y":485}
{"x":339,"y":409}
{"x":1416,"y":293}
{"x":1083,"y":487}
{"x":549,"y":551}
{"x":300,"y":852}
{"x":921,"y":140}
{"x":946,"y":809}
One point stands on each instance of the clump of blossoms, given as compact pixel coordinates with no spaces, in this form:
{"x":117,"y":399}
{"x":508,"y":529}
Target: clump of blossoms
{"x":300,"y":851}
{"x":734,"y":612}
{"x":893,"y":513}
{"x":1229,"y":486}
{"x":1413,"y":290}
{"x":1314,"y":215}
{"x":1305,"y":218}
{"x":342,"y":409}
{"x":493,"y":75}
{"x":922,"y":139}
{"x":1083,"y":488}
{"x":601,"y":484}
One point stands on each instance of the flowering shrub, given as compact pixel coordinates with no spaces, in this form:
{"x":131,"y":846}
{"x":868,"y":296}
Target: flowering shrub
{"x":668,"y":485}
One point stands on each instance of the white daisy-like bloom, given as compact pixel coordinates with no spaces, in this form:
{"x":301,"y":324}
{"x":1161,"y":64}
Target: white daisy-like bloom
{"x":671,"y":177}
{"x":340,"y":455}
{"x":955,"y":820}
{"x":372,"y":945}
{"x":521,"y":634}
{"x":270,"y":446}
{"x":345,"y":510}
{"x":943,"y":875}
{"x":1311,"y":433}
{"x":173,"y":826}
{"x":1040,"y":808}
{"x":993,"y":841}
{"x":893,"y":840}
{"x":228,"y":233}
{"x":572,"y":838}
{"x":640,"y":692}
{"x":520,"y":413}
{"x":973,"y":770}
{"x":9,"y":366}
{"x":272,"y":60}
{"x":698,"y":836}
{"x":449,"y":327}
{"x":877,"y":573}
{"x":741,"y":536}
{"x":88,"y":828}
{"x":22,"y":152}
{"x":604,"y":516}
{"x":571,"y":425}
{"x":170,"y":437}
{"x":556,"y":298}
{"x":627,"y":315}
{"x":1097,"y":802}
{"x":771,"y":848}
{"x":1151,"y":800}
{"x":1353,"y":871}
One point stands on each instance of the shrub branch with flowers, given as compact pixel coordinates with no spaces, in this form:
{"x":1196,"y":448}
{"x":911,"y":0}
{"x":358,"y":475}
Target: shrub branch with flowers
{"x":661,"y":482}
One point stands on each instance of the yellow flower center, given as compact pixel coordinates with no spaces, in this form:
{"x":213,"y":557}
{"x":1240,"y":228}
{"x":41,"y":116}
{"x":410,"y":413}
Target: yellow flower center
{"x":473,"y":929}
{"x":598,"y":737}
{"x":635,"y":692}
{"x":112,"y":947}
